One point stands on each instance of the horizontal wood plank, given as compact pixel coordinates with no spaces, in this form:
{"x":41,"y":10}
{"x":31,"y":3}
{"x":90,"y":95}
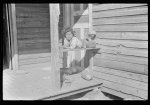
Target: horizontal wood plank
{"x":33,"y":51}
{"x":122,"y":27}
{"x":124,"y":43}
{"x":31,"y":10}
{"x":33,"y":24}
{"x":34,"y":61}
{"x":33,"y":41}
{"x":34,"y":48}
{"x":124,"y":66}
{"x":102,"y":7}
{"x":122,"y":58}
{"x":122,"y":51}
{"x":123,"y":74}
{"x":121,"y":20}
{"x":32,"y":15}
{"x":32,"y":56}
{"x":121,"y":12}
{"x":35,"y":19}
{"x":35,"y":30}
{"x":123,"y":88}
{"x":43,"y":5}
{"x":35,"y":66}
{"x":33,"y":36}
{"x":119,"y":93}
{"x":121,"y":80}
{"x":123,"y":35}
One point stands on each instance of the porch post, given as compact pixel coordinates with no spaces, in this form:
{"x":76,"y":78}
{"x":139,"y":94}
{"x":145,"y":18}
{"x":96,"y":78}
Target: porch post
{"x":55,"y":72}
{"x":13,"y":36}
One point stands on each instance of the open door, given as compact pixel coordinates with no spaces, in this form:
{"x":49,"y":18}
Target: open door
{"x":6,"y":39}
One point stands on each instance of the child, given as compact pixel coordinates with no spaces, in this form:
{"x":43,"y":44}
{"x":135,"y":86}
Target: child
{"x":70,"y":40}
{"x":89,"y":41}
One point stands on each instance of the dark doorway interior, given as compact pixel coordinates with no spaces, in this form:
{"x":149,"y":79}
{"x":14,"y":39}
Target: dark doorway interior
{"x":5,"y":40}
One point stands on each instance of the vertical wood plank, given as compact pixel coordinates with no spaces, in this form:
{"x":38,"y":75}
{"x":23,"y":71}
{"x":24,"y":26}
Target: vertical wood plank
{"x":90,"y":17}
{"x":9,"y":39}
{"x":82,"y":51}
{"x":55,"y":73}
{"x":90,"y":29}
{"x":14,"y":37}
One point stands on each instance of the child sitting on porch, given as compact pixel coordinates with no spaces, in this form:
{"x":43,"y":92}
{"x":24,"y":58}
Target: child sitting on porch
{"x":70,"y":40}
{"x":89,"y":41}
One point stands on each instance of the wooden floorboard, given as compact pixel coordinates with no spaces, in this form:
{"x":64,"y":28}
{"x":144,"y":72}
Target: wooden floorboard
{"x":36,"y":84}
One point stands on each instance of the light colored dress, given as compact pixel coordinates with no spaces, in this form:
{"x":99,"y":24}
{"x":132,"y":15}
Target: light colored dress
{"x":73,"y":43}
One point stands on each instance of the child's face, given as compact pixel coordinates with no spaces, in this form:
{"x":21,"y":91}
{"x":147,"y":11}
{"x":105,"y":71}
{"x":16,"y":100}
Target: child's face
{"x":91,"y":36}
{"x":69,"y":35}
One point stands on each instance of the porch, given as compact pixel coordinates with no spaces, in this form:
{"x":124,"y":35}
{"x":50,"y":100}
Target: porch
{"x":36,"y":84}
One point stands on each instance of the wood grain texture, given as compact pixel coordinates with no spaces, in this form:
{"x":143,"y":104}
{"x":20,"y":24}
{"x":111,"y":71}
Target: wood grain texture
{"x":123,"y":74}
{"x":14,"y":37}
{"x":34,"y":61}
{"x":122,"y":27}
{"x":121,"y":12}
{"x":123,"y":81}
{"x":120,"y":94}
{"x":35,"y":30}
{"x":123,"y":51}
{"x":33,"y":36}
{"x":36,"y":66}
{"x":34,"y":51}
{"x":121,"y":20}
{"x":102,"y":7}
{"x":123,"y":88}
{"x":32,"y":56}
{"x":124,"y":43}
{"x":33,"y":24}
{"x":35,"y":5}
{"x":32,"y":10}
{"x":124,"y":66}
{"x":55,"y":73}
{"x":123,"y":58}
{"x":123,"y":35}
{"x":31,"y":15}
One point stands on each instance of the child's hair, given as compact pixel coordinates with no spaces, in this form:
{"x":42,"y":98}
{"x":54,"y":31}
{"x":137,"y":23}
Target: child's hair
{"x":92,"y":34}
{"x":68,"y":30}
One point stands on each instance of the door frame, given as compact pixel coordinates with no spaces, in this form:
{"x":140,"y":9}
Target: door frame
{"x":11,"y":60}
{"x":13,"y":36}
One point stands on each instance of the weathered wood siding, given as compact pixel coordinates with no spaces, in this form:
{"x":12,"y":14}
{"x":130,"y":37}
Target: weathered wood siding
{"x":33,"y":34}
{"x":122,"y":36}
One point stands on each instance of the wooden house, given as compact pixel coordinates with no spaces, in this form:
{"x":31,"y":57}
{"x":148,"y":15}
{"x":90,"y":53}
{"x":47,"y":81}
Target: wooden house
{"x":121,"y":63}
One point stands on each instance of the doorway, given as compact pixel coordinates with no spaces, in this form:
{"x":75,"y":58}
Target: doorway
{"x":6,"y":53}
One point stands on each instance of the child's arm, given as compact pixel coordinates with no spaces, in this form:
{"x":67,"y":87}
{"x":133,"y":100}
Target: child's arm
{"x":66,"y":44}
{"x":75,"y":43}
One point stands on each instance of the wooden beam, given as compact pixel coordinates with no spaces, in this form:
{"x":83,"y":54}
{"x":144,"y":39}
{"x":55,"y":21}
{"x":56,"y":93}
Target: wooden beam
{"x":124,"y":88}
{"x":90,"y":17}
{"x":123,"y":27}
{"x":141,"y":36}
{"x":120,"y":94}
{"x":55,"y":73}
{"x":9,"y":53}
{"x":122,"y":74}
{"x":124,"y":66}
{"x":121,"y":12}
{"x":102,"y":7}
{"x":14,"y":37}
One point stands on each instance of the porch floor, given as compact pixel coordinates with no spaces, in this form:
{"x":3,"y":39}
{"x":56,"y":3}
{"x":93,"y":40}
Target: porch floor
{"x":35,"y":84}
